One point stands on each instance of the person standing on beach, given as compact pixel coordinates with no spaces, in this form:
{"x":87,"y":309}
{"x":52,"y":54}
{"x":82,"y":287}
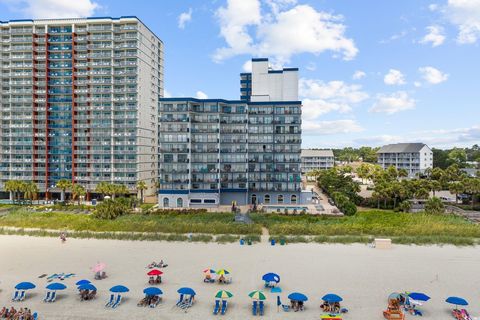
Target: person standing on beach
{"x":63,"y":237}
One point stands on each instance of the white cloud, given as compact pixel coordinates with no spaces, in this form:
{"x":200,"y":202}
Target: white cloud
{"x":465,"y":15}
{"x":247,"y":66}
{"x":393,"y":103}
{"x":279,"y":30}
{"x":184,"y":18}
{"x":55,"y":9}
{"x":435,"y":36}
{"x":394,"y":77}
{"x":320,"y":98}
{"x":433,"y":7}
{"x":330,"y":127}
{"x":433,"y":75}
{"x":417,"y":84}
{"x":359,"y":74}
{"x":201,"y":95}
{"x":311,"y":66}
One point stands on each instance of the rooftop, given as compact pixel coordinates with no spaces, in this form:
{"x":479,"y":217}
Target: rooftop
{"x":401,"y":147}
{"x":316,"y":153}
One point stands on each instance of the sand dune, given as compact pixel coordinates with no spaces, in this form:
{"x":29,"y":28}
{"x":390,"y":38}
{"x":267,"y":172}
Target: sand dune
{"x":361,"y":275}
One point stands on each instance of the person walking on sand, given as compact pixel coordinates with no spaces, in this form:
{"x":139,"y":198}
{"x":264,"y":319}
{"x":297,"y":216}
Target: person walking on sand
{"x":63,"y":237}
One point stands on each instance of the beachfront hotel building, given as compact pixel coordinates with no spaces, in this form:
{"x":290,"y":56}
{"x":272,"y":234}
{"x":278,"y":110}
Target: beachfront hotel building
{"x":215,"y":152}
{"x":317,"y":160}
{"x":413,"y":157}
{"x":79,"y":101}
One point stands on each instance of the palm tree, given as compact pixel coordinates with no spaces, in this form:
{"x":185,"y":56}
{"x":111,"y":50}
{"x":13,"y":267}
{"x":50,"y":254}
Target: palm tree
{"x":12,"y":187}
{"x":141,"y":186}
{"x":456,"y":187}
{"x":30,"y":191}
{"x":63,"y":184}
{"x":121,"y":189}
{"x":78,"y":191}
{"x":102,"y":188}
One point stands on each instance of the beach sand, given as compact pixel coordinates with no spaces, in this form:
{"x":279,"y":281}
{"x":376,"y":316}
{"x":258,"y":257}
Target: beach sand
{"x":363,"y":276}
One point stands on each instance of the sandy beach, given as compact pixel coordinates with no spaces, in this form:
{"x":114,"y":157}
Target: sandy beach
{"x":363,"y":276}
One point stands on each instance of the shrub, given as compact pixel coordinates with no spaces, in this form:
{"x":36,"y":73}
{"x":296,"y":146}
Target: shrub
{"x":434,"y":206}
{"x":111,"y":209}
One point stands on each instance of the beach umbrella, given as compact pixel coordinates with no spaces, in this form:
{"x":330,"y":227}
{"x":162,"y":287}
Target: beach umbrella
{"x":25,"y":286}
{"x":152,"y":291}
{"x":276,"y":290}
{"x":222,"y":294}
{"x":257,"y":295}
{"x":87,"y":286}
{"x":119,"y":289}
{"x":296,"y":296}
{"x":332,"y":298}
{"x":418,"y":296}
{"x":82,"y":282}
{"x":223,"y":272}
{"x":56,"y":286}
{"x":269,"y":277}
{"x":187,"y":291}
{"x":155,"y":272}
{"x":99,"y":267}
{"x":209,"y":271}
{"x":457,"y":301}
{"x":414,"y":302}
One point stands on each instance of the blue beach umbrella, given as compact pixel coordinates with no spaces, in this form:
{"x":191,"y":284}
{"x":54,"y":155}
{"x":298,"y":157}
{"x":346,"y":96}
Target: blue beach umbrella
{"x":87,"y":286}
{"x":269,"y":277}
{"x":56,"y":286}
{"x":25,"y":286}
{"x":152,"y":291}
{"x":82,"y":282}
{"x":418,"y":296}
{"x":296,"y":296}
{"x":332,"y":298}
{"x":457,"y":301}
{"x":119,"y":289}
{"x":187,"y":291}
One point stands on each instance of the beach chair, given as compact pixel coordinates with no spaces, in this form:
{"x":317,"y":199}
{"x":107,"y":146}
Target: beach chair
{"x":53,"y":296}
{"x":35,"y":316}
{"x":186,"y":303}
{"x":217,"y":307}
{"x":261,"y":308}
{"x":254,"y":308}
{"x":21,"y":297}
{"x":286,"y":307}
{"x":180,"y":300}
{"x":224,"y":306}
{"x":117,"y":302}
{"x":47,"y":297}
{"x":15,"y":295}
{"x":465,"y":315}
{"x":110,"y":302}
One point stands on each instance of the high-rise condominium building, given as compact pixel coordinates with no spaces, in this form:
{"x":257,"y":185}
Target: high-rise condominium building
{"x":79,"y":101}
{"x":215,"y":151}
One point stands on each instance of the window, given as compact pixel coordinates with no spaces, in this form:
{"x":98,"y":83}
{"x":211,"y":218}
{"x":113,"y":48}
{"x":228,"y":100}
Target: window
{"x":209,"y":201}
{"x":293,"y":199}
{"x":195,"y":200}
{"x":179,"y":203}
{"x":165,"y":202}
{"x":267,"y":199}
{"x":254,"y":199}
{"x":280,"y":199}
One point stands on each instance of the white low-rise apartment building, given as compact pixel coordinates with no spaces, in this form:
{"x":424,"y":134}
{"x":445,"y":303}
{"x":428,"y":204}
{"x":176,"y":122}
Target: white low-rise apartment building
{"x":316,"y":160}
{"x":413,"y":157}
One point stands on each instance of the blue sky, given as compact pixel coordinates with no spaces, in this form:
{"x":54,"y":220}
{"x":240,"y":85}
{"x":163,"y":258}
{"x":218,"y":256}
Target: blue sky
{"x":372,"y":71}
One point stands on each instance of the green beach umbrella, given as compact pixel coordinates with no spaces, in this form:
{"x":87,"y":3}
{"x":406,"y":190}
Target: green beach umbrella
{"x":223,"y":272}
{"x":257,"y":295}
{"x":222,"y":294}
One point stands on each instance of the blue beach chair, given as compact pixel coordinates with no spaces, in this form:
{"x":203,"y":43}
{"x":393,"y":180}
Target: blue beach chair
{"x":15,"y":295}
{"x":217,"y":307}
{"x":110,"y":302}
{"x":117,"y":302}
{"x":180,"y":300}
{"x":53,"y":296}
{"x":224,"y":306}
{"x":47,"y":297}
{"x":261,"y":307}
{"x":254,"y":308}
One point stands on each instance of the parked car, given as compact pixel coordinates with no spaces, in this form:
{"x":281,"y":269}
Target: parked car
{"x":447,"y":199}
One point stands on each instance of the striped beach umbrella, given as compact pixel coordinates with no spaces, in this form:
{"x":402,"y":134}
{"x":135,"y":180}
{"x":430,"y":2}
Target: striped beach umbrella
{"x":222,"y":294}
{"x":223,"y":272}
{"x":257,"y":295}
{"x":209,"y":271}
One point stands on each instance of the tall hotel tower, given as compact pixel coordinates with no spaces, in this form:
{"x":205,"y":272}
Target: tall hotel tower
{"x":79,"y":101}
{"x":215,"y":152}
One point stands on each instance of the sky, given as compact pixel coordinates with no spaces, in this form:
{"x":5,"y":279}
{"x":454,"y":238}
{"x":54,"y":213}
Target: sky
{"x":371,"y":72}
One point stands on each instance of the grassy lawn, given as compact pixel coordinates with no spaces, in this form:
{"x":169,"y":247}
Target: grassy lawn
{"x":212,"y":223}
{"x":363,"y":227}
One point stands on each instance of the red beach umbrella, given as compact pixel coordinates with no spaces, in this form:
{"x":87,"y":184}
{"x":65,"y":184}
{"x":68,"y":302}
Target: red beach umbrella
{"x":155,"y":272}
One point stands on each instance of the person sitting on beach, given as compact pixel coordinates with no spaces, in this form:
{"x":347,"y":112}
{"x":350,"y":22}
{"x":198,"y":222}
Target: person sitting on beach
{"x":208,"y":278}
{"x":158,"y":279}
{"x":221,"y":279}
{"x":92,"y":295}
{"x":336,"y":307}
{"x":300,"y":305}
{"x":143,"y":302}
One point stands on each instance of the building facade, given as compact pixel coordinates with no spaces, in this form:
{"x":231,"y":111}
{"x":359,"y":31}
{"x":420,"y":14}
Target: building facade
{"x":213,"y":152}
{"x":316,"y":160}
{"x":413,"y":157}
{"x":79,"y":101}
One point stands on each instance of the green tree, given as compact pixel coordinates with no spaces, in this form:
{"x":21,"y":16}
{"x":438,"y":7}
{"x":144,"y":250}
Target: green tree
{"x":434,"y":206}
{"x":457,"y":156}
{"x":63,"y":185}
{"x":103,"y":188}
{"x":110,"y":209}
{"x":30,"y":191}
{"x":472,"y":187}
{"x":456,"y":187}
{"x":78,"y":191}
{"x":141,"y":186}
{"x":13,"y":187}
{"x":364,"y":171}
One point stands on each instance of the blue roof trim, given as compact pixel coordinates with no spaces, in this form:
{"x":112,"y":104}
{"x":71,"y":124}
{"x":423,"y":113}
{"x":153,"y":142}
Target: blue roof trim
{"x":233,"y":190}
{"x":259,"y":59}
{"x":172,"y":191}
{"x":204,"y":191}
{"x":245,"y":73}
{"x":274,"y":102}
{"x":275,"y":71}
{"x":20,"y":20}
{"x":290,"y":69}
